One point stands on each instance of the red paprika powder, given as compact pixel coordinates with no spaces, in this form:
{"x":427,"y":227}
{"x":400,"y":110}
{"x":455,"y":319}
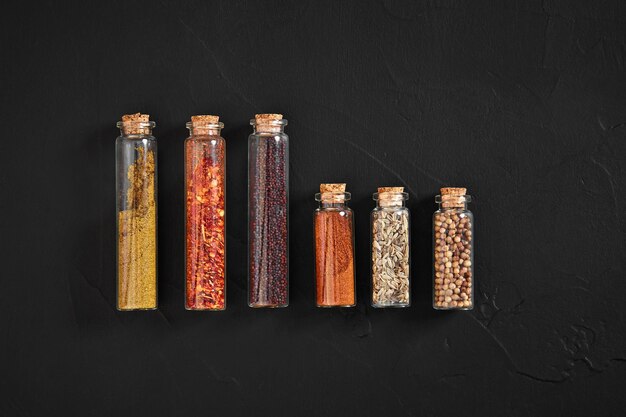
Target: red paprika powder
{"x":334,"y":248}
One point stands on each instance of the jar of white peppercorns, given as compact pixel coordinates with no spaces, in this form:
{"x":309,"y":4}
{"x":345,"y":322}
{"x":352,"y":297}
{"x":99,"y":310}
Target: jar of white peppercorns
{"x":453,"y":247}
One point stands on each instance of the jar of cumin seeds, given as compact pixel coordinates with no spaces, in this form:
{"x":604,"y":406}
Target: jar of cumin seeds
{"x":453,"y":247}
{"x":390,"y":229}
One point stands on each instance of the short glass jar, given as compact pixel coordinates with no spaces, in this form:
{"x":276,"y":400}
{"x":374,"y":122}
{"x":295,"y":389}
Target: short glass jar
{"x":391,"y":254}
{"x":334,"y":248}
{"x":453,"y":251}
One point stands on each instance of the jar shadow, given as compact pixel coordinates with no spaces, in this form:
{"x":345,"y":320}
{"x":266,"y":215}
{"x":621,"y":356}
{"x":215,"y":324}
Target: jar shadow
{"x":91,"y":280}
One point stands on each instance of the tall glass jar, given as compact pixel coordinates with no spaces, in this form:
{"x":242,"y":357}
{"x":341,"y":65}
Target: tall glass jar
{"x":391,"y":255}
{"x":268,"y":212}
{"x":136,"y":191}
{"x":205,"y":215}
{"x":453,"y":258}
{"x":334,"y":248}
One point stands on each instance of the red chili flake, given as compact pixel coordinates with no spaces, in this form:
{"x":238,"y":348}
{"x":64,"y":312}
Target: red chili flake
{"x":205,"y":230}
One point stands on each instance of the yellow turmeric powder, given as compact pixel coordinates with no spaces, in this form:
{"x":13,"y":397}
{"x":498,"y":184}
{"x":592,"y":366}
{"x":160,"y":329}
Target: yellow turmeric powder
{"x":137,"y":240}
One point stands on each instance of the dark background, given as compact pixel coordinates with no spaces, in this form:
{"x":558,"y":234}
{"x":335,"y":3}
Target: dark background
{"x":521,"y":102}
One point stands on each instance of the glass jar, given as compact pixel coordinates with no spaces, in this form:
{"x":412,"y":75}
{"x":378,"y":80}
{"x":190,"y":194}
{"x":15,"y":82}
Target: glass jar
{"x":136,"y":193}
{"x":268,"y":211}
{"x":391,"y":255}
{"x":205,"y":215}
{"x":453,"y":258}
{"x":334,"y":248}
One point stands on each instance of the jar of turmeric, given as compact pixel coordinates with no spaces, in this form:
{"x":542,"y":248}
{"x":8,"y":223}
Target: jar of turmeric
{"x":136,"y":185}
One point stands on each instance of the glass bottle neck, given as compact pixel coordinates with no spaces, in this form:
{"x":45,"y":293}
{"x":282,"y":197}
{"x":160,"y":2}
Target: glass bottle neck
{"x":135,"y":129}
{"x":200,"y":132}
{"x":453,"y":202}
{"x":268,"y":126}
{"x":268,"y":129}
{"x":390,"y":199}
{"x":390,"y":203}
{"x":203,"y":128}
{"x":333,"y":204}
{"x":135,"y":135}
{"x":458,"y":207}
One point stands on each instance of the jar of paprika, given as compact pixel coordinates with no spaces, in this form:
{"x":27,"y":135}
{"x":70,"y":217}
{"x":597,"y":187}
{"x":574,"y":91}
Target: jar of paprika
{"x":334,"y":248}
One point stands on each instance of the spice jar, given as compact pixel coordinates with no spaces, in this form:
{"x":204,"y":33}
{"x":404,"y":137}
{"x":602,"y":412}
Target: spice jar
{"x":391,"y":286}
{"x":334,"y":248}
{"x":453,"y":244}
{"x":205,"y":227}
{"x":136,"y":193}
{"x":268,"y":198}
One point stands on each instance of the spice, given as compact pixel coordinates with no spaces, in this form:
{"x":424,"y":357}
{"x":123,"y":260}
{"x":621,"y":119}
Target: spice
{"x":205,"y":215}
{"x":268,"y":212}
{"x":334,"y":248}
{"x":390,"y":249}
{"x":137,"y":279}
{"x":453,"y":251}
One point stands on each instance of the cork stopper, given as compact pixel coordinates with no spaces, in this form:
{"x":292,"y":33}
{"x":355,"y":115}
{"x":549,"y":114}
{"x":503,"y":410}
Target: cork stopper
{"x":205,"y":119}
{"x":269,"y":122}
{"x":332,"y":188}
{"x":333,"y":193}
{"x":453,"y":197}
{"x":135,"y":124}
{"x":453,"y":191}
{"x":390,"y":190}
{"x":390,"y":196}
{"x":204,"y":124}
{"x":266,"y":117}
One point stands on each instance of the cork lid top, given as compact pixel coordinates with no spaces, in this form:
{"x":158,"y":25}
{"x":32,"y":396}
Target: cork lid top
{"x":332,"y":188}
{"x":268,"y":122}
{"x":204,"y":119}
{"x":390,"y":196}
{"x":453,"y":197}
{"x":136,"y":117}
{"x":136,"y":124}
{"x":390,"y":189}
{"x":453,"y":191}
{"x":267,"y":117}
{"x":332,"y":193}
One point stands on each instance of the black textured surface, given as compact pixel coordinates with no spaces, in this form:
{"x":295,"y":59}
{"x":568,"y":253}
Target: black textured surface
{"x":522,"y":102}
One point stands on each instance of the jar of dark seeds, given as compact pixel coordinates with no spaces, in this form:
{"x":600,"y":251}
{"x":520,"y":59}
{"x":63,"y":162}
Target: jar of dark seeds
{"x":268,"y":211}
{"x":453,"y":244}
{"x":390,"y":249}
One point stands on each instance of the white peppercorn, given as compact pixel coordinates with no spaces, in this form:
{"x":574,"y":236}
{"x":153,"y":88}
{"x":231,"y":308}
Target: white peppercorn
{"x":453,"y":273}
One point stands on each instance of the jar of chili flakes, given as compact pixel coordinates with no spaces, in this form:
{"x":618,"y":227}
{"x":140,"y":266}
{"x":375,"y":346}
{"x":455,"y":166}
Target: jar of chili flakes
{"x":205,"y":215}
